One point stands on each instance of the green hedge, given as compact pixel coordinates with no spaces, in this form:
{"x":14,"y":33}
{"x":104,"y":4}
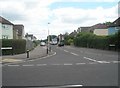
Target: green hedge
{"x":99,"y":42}
{"x":68,"y":39}
{"x":18,"y":46}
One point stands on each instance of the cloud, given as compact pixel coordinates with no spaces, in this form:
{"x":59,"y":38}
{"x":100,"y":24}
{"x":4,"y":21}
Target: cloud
{"x":88,"y":0}
{"x":35,"y":14}
{"x":81,"y":16}
{"x":12,"y":10}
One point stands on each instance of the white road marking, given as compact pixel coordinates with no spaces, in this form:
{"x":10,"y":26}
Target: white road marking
{"x":27,"y":65}
{"x":80,"y":63}
{"x":103,"y":62}
{"x":96,"y":60}
{"x":71,"y":86}
{"x":13,"y":65}
{"x":66,"y":51}
{"x":67,"y":64}
{"x":90,"y":59}
{"x":115,"y":61}
{"x":74,"y":54}
{"x":41,"y":64}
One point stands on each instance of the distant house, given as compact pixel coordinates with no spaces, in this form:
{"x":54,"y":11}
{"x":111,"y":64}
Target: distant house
{"x":83,"y":29}
{"x":61,"y":37}
{"x":6,"y":29}
{"x":74,"y":33}
{"x":114,"y":27}
{"x":29,"y":36}
{"x":18,"y":31}
{"x":34,"y":38}
{"x":99,"y":29}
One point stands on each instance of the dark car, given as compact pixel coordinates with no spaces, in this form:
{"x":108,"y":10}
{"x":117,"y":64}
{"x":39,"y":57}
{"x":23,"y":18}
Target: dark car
{"x":61,"y":44}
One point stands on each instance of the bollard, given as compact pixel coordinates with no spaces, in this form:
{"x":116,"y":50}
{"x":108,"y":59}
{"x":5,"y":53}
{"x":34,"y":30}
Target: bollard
{"x":50,"y":49}
{"x":47,"y":50}
{"x":27,"y":53}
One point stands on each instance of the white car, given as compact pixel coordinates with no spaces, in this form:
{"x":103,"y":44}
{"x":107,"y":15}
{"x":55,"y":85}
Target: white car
{"x":42,"y":44}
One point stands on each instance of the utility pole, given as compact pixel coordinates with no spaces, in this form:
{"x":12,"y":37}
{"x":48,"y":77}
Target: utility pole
{"x":48,"y":45}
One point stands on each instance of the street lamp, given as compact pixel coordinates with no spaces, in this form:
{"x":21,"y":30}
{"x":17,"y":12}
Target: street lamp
{"x":48,"y":45}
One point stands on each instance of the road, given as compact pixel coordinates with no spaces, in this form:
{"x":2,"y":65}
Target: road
{"x":67,"y":66}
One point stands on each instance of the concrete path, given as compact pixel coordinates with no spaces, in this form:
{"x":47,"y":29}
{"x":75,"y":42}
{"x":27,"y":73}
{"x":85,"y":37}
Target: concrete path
{"x":38,"y":52}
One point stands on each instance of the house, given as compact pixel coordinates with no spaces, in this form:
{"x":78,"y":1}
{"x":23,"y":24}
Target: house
{"x":34,"y":38}
{"x":83,"y":29}
{"x":61,"y":37}
{"x":18,"y":31}
{"x":29,"y":37}
{"x":99,"y":29}
{"x":6,"y":29}
{"x":114,"y":27}
{"x":74,"y":33}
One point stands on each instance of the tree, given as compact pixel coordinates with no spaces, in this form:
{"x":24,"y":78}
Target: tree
{"x":107,"y":23}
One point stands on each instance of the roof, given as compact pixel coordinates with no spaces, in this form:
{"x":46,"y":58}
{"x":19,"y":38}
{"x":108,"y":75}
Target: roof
{"x":20,"y":28}
{"x":4,"y":21}
{"x":85,"y":29}
{"x":116,"y":23}
{"x":34,"y":37}
{"x":98,"y":26}
{"x":29,"y":35}
{"x":73,"y":33}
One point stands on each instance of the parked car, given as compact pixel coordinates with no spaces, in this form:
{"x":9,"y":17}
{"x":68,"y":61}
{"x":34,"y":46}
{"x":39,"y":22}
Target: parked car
{"x":42,"y":44}
{"x":61,"y":44}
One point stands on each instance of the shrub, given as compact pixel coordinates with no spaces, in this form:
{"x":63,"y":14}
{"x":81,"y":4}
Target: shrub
{"x":93,"y":41}
{"x":18,"y":46}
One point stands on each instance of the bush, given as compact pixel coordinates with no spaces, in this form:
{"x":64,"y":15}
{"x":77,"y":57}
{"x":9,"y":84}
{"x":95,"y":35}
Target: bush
{"x":93,"y":41}
{"x":70,"y":41}
{"x":18,"y":46}
{"x":35,"y":43}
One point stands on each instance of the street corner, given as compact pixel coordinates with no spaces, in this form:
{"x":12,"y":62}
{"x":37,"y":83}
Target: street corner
{"x":9,"y":60}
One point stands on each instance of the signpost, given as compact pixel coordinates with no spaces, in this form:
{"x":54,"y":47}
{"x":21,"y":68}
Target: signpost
{"x":7,"y":48}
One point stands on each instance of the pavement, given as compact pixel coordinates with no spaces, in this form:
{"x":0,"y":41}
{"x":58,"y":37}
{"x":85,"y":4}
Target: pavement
{"x":39,"y":51}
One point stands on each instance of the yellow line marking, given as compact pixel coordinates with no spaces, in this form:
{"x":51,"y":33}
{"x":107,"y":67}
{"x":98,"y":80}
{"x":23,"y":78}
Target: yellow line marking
{"x":10,"y":60}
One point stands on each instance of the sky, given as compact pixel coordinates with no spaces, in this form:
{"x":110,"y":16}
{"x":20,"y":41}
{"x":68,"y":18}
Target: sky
{"x":62,"y":15}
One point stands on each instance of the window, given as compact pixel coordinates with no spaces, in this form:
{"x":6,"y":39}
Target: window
{"x":5,"y":26}
{"x":4,"y":36}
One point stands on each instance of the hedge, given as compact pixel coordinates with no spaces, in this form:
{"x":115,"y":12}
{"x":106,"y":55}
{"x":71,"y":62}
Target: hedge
{"x":18,"y":46}
{"x":99,"y":42}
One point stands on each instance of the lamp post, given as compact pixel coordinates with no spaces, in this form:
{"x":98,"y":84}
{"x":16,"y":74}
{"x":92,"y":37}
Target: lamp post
{"x":48,"y":45}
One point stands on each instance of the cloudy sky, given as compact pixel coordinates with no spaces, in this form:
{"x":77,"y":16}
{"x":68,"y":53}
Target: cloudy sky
{"x":63,"y":15}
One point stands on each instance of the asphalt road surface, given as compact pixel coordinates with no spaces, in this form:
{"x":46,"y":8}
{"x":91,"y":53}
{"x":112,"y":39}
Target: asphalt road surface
{"x":67,"y":66}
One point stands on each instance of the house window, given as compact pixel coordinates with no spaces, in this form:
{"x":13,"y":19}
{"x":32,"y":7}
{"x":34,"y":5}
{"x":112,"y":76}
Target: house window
{"x":17,"y":31}
{"x":117,"y":28}
{"x":4,"y":36}
{"x":5,"y":26}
